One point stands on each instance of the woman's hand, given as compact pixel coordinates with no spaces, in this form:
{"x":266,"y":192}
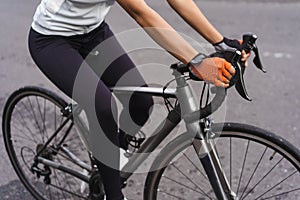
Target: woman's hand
{"x":214,"y":70}
{"x":245,"y":57}
{"x":226,"y":44}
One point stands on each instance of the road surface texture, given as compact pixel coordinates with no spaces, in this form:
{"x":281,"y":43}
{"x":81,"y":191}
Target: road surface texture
{"x":276,"y":95}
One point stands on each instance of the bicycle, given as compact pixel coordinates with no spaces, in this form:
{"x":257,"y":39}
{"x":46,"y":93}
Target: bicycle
{"x":208,"y":161}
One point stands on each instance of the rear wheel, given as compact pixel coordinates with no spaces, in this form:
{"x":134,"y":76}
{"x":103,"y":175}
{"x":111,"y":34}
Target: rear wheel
{"x":31,"y":116}
{"x":257,"y":164}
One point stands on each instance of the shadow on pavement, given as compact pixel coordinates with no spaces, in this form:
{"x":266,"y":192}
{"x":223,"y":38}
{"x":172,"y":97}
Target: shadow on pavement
{"x":14,"y":190}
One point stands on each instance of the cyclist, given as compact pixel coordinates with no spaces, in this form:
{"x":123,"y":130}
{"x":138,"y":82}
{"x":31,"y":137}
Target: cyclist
{"x":62,"y":34}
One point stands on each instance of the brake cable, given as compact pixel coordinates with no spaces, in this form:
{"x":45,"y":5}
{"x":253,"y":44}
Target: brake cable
{"x":202,"y":95}
{"x":167,"y":102}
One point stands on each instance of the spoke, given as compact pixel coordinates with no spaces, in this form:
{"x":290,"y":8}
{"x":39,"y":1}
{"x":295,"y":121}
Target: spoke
{"x":23,"y":138}
{"x":189,"y":180}
{"x":42,"y":116}
{"x":172,"y":195}
{"x":276,"y":195}
{"x":75,"y":137}
{"x":34,"y":116}
{"x":24,"y":166}
{"x":35,"y":183}
{"x":243,"y":166}
{"x":277,"y":184}
{"x":45,"y":111}
{"x":263,"y":178}
{"x":31,"y":111}
{"x":195,"y":166}
{"x":66,"y":177}
{"x":254,"y":172}
{"x":57,"y":183}
{"x":55,"y":122}
{"x":50,"y":195}
{"x":25,"y":124}
{"x":200,"y":192}
{"x":68,"y":192}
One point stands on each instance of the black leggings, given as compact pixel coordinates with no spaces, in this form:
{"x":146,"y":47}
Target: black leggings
{"x":82,"y":76}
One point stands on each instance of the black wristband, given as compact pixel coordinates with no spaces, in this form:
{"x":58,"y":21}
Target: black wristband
{"x":197,"y":59}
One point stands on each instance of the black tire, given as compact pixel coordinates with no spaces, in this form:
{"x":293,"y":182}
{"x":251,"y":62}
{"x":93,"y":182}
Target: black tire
{"x":177,"y":172}
{"x":30,"y":117}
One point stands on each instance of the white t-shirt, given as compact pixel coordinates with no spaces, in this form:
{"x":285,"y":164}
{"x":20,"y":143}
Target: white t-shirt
{"x":69,"y":17}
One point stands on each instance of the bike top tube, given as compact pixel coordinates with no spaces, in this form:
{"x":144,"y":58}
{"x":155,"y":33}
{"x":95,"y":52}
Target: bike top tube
{"x":153,"y":91}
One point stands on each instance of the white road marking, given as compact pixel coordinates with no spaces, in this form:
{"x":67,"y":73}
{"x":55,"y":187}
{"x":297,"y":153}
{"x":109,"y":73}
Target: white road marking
{"x":278,"y":55}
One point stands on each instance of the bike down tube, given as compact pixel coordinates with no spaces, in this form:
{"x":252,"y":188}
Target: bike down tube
{"x":161,"y":132}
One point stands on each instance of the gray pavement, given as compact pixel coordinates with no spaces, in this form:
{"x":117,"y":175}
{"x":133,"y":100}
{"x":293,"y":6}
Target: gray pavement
{"x":276,"y":94}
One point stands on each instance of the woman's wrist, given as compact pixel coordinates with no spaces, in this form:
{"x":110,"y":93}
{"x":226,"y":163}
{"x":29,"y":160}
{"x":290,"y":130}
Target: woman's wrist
{"x":215,"y":38}
{"x":218,"y":42}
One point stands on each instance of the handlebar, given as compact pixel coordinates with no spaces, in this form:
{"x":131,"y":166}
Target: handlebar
{"x":234,"y":57}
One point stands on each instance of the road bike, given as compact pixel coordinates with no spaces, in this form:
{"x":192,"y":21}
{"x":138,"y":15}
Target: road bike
{"x":46,"y":141}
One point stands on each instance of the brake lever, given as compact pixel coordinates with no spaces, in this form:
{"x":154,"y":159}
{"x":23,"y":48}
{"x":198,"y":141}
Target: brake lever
{"x":234,"y":56}
{"x":238,"y":78}
{"x":256,"y":59}
{"x":240,"y":85}
{"x":248,"y":45}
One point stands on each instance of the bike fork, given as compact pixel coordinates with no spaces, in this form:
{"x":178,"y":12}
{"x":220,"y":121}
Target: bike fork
{"x":212,"y":166}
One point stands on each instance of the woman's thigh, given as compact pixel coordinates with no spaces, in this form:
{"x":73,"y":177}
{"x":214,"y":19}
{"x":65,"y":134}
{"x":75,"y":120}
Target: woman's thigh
{"x":65,"y":67}
{"x":112,"y":63}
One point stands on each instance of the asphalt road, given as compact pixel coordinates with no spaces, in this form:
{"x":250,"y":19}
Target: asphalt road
{"x":276,"y":96}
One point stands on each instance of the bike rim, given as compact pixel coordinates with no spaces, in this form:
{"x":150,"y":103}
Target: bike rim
{"x":32,"y":118}
{"x":252,"y":168}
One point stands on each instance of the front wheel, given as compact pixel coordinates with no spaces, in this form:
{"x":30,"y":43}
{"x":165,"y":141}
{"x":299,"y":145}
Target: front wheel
{"x":258,"y":165}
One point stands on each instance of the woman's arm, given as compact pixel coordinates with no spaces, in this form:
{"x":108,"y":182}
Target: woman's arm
{"x":159,"y":29}
{"x":214,"y":70}
{"x":190,"y":12}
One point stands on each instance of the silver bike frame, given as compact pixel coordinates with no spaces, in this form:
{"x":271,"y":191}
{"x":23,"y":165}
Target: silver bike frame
{"x":204,"y":148}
